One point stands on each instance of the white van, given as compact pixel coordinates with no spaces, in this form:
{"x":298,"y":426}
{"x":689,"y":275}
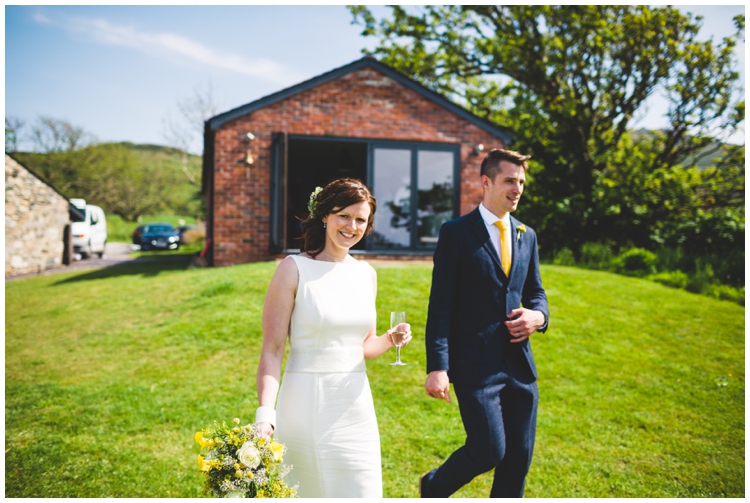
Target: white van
{"x":89,"y":236}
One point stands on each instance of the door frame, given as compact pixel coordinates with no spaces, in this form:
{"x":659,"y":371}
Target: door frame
{"x":279,"y":171}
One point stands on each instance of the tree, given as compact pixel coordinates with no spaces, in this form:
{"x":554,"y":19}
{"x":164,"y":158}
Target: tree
{"x":13,"y":126}
{"x":55,"y":135}
{"x":115,"y":177}
{"x":568,"y":81}
{"x":58,"y":152}
{"x":193,"y":111}
{"x":121,"y":178}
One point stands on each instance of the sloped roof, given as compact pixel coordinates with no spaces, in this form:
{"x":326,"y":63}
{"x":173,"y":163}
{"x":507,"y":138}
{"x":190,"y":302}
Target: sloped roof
{"x":216,"y":122}
{"x":71,"y":208}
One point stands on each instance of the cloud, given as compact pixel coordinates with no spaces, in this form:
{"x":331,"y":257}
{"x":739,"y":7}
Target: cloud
{"x":171,"y":44}
{"x":41,"y":18}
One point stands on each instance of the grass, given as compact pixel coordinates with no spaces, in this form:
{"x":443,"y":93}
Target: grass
{"x":110,"y":372}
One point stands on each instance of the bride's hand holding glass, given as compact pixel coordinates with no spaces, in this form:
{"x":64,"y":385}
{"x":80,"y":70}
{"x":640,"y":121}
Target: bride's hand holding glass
{"x":402,"y":328}
{"x":400,"y":334}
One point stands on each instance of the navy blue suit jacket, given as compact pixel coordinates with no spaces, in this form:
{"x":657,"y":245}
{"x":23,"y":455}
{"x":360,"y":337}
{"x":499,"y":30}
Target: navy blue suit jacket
{"x":471,"y":297}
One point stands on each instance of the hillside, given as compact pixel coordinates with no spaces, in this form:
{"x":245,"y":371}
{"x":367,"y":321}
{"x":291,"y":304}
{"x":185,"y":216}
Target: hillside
{"x":124,"y":178}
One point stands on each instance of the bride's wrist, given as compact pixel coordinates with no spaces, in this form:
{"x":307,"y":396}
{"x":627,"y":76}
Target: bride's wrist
{"x":266,"y":414}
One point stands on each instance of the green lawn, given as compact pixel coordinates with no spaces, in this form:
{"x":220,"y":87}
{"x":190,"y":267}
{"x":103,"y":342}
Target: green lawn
{"x":109,"y":373}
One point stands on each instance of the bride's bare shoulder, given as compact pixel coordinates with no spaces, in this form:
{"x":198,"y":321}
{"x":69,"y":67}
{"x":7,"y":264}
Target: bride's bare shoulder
{"x":286,"y":271}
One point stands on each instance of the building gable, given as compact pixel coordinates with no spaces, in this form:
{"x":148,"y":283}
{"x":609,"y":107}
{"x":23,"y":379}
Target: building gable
{"x":216,"y":122}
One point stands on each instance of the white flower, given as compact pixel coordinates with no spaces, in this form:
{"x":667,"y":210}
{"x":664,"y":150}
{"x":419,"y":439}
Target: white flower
{"x":249,"y":455}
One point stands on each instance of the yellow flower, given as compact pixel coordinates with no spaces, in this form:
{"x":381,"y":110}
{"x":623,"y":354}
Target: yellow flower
{"x":203,"y":441}
{"x":236,"y":420}
{"x":521,"y":229}
{"x":203,"y":466}
{"x":238,"y":474}
{"x":278,"y":451}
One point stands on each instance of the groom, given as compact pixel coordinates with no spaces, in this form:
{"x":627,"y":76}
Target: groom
{"x":477,"y":334}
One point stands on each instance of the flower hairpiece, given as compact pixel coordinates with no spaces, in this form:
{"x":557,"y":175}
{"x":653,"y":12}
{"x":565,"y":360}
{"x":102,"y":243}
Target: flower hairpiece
{"x":313,"y":203}
{"x":520,"y":230}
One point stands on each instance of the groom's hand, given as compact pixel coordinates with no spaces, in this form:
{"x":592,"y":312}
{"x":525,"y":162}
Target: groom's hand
{"x":525,"y":323}
{"x":438,"y":385}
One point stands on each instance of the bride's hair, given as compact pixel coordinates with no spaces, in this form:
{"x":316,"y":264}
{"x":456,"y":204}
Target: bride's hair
{"x":334,"y":197}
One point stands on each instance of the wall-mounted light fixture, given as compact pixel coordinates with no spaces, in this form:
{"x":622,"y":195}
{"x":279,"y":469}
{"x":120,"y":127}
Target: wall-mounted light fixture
{"x":478,"y":149}
{"x":249,"y":157}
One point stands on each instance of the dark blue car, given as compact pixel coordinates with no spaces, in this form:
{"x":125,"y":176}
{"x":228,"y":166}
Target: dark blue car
{"x":159,"y":237}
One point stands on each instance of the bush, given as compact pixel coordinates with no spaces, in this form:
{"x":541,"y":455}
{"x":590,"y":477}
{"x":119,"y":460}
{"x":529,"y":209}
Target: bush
{"x":726,"y":292}
{"x":636,"y":262}
{"x":596,"y":256}
{"x":564,"y":257}
{"x":676,"y":279}
{"x":194,"y":235}
{"x":727,"y":267}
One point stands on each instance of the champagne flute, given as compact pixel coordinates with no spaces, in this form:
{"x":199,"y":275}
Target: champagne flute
{"x":397,"y":318}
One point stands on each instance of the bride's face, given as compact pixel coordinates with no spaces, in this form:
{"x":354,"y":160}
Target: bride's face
{"x":344,"y":228}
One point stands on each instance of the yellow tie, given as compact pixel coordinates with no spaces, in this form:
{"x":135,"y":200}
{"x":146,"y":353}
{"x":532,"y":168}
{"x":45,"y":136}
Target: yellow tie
{"x":504,"y":247}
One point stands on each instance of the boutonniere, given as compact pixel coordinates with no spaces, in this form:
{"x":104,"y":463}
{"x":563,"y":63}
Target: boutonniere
{"x":520,"y":230}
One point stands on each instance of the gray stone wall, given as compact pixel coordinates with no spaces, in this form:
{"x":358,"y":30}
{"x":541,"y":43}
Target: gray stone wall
{"x":35,"y":220}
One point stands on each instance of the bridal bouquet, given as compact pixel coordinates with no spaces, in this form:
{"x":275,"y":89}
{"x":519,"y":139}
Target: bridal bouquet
{"x":240,"y":463}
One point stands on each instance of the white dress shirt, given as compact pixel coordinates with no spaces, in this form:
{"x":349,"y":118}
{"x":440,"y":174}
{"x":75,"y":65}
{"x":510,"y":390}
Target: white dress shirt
{"x":489,"y":220}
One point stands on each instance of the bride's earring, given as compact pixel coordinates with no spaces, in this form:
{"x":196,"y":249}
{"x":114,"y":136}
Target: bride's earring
{"x":324,"y":225}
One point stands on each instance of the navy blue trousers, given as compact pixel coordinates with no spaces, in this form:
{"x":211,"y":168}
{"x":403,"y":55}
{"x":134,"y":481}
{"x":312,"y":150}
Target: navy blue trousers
{"x":500,"y":424}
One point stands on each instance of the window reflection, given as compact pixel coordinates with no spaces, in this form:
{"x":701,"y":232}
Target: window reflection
{"x":392,"y":181}
{"x":435,"y":194}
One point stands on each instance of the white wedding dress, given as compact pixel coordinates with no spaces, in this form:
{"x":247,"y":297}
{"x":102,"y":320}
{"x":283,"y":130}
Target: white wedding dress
{"x":325,"y":413}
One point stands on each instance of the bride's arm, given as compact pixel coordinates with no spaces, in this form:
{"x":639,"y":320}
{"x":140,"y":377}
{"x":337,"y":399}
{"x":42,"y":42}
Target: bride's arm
{"x":277,"y":313}
{"x":375,"y":346}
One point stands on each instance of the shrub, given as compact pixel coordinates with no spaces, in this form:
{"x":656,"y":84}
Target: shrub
{"x":676,"y":279}
{"x":193,"y":235}
{"x":564,"y":257}
{"x":726,"y":292}
{"x":596,"y":256}
{"x":636,"y":262}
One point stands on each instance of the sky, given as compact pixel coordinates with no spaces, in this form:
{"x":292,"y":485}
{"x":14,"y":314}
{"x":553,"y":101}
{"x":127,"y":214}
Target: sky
{"x":119,"y":72}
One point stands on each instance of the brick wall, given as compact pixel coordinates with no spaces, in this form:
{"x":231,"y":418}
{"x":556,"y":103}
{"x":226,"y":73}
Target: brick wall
{"x":363,"y":104}
{"x":35,"y":219}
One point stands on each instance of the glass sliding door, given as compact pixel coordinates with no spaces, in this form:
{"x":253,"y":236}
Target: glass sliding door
{"x":416,"y":185}
{"x":435,"y":193}
{"x":416,"y":190}
{"x":391,"y":176}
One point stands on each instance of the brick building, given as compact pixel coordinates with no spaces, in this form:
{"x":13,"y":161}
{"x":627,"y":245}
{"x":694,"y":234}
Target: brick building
{"x":417,"y":151}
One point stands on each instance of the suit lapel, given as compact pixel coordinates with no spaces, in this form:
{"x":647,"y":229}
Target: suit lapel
{"x":519,"y":247}
{"x":514,"y":244}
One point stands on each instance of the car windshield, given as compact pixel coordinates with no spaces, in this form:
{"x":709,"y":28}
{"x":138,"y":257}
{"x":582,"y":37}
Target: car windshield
{"x":151,"y":229}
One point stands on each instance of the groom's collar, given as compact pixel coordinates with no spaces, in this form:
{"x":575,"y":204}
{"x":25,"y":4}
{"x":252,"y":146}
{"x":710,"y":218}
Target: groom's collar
{"x":489,"y":217}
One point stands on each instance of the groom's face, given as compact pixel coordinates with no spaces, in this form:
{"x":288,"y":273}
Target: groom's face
{"x":502,"y":194}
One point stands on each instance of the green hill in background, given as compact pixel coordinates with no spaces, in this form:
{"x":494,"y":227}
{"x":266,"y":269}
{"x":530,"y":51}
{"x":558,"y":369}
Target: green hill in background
{"x":126,"y":179}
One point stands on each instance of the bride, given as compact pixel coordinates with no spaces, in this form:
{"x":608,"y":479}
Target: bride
{"x":324,"y":301}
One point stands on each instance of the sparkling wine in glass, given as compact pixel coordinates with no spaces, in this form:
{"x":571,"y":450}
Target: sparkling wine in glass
{"x":397,"y":318}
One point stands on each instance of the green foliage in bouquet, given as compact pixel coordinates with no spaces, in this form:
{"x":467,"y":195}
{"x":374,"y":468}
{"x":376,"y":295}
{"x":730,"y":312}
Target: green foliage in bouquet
{"x":239,"y":462}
